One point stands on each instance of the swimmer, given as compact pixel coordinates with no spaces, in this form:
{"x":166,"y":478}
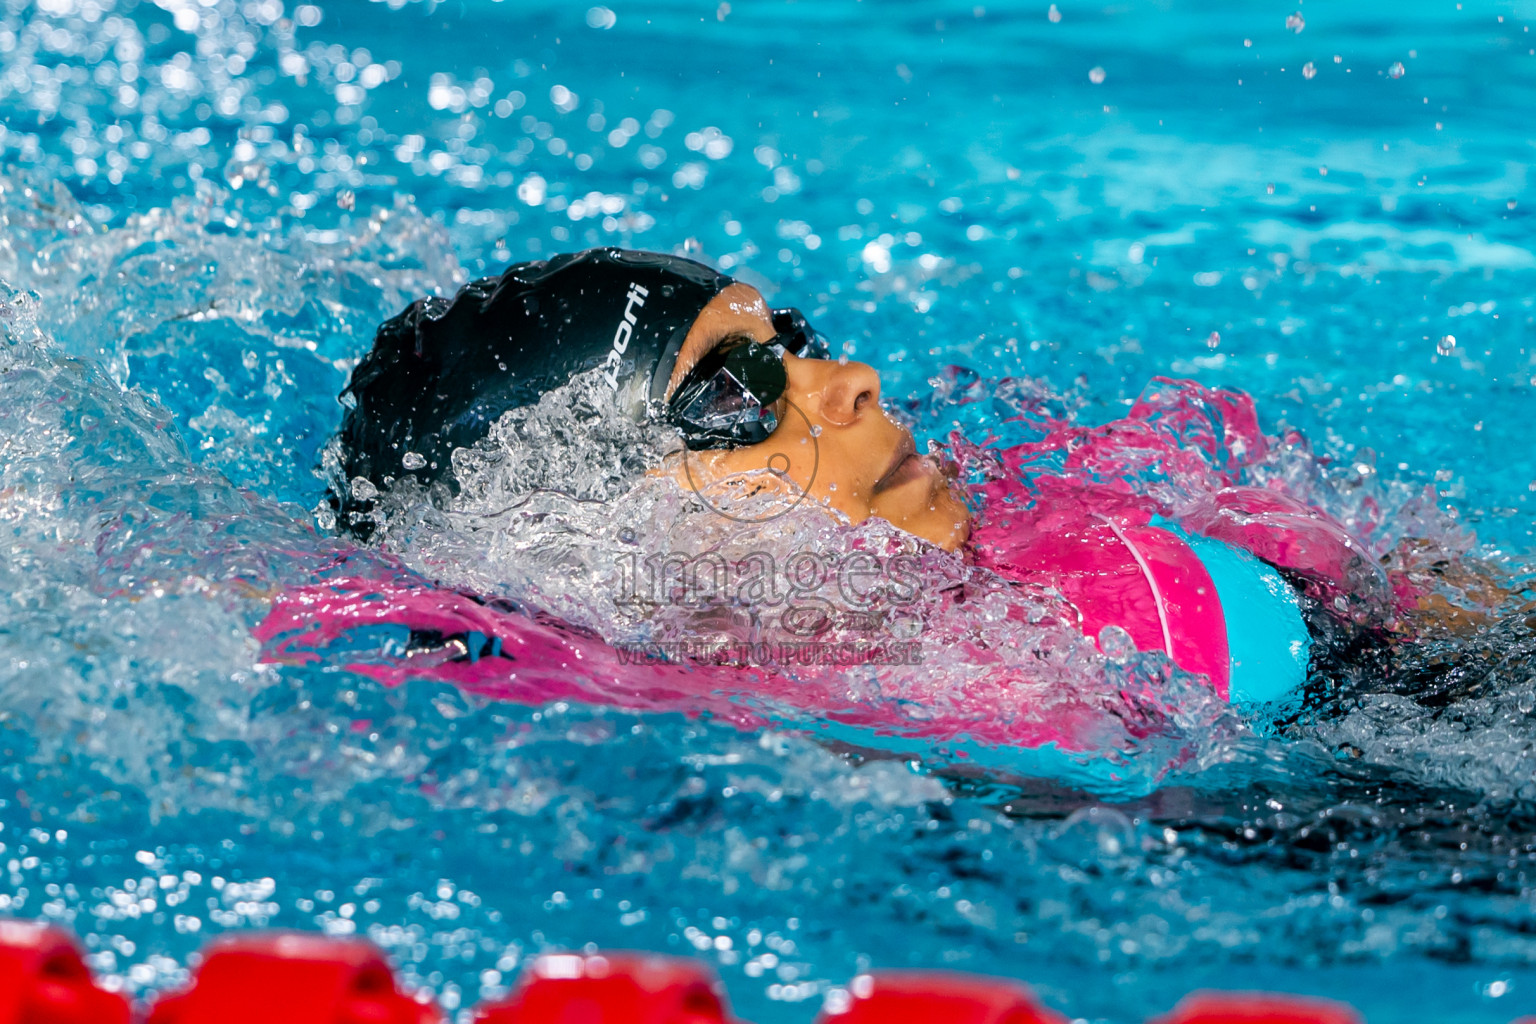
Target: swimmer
{"x":746,"y":386}
{"x":1249,"y":587}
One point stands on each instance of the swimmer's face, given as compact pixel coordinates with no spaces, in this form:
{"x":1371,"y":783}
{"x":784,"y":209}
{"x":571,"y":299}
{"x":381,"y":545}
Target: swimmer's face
{"x":833,"y":442}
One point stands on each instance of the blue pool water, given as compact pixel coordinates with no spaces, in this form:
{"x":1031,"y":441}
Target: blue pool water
{"x":205,"y":208}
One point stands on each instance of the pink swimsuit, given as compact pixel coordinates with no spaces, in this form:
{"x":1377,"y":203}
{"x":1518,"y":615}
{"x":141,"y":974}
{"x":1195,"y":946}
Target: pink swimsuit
{"x":1088,"y":511}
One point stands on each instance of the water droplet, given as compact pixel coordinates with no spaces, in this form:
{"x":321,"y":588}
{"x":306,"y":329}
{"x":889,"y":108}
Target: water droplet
{"x":1116,"y":643}
{"x":1309,"y":70}
{"x":1270,"y":188}
{"x":1053,"y":14}
{"x":1397,"y":70}
{"x":1096,"y":76}
{"x":413,"y":460}
{"x":1511,"y":204}
{"x":1213,"y":340}
{"x":1296,"y":22}
{"x":1446,"y":345}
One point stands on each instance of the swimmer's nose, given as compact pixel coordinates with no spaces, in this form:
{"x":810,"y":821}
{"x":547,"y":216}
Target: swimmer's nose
{"x":840,"y":391}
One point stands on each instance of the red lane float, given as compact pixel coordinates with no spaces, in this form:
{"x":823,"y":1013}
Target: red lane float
{"x":1257,"y":1008}
{"x":612,"y":988}
{"x":923,"y":997}
{"x":292,"y":978}
{"x":44,"y":980}
{"x":303,"y":978}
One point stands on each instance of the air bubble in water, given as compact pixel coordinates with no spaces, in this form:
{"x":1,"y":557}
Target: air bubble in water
{"x":1446,"y":345}
{"x":1053,"y":14}
{"x":413,"y":460}
{"x":1296,"y":22}
{"x":1511,"y":204}
{"x":1397,"y":70}
{"x":1309,"y":70}
{"x":1213,"y":340}
{"x":1096,"y":76}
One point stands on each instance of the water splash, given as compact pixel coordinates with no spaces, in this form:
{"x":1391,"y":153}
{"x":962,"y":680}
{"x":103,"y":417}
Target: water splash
{"x":152,"y":756}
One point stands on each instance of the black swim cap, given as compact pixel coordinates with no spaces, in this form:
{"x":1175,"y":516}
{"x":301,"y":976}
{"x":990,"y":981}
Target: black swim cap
{"x":441,"y":372}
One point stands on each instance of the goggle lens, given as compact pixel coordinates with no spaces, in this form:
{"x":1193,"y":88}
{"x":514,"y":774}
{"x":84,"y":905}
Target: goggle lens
{"x":728,"y":398}
{"x":797,"y":337}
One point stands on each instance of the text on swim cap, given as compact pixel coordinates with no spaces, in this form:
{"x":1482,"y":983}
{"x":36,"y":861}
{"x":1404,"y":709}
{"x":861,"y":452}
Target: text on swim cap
{"x":622,"y":334}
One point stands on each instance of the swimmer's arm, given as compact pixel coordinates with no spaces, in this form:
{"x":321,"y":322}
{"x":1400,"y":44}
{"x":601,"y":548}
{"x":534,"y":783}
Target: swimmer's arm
{"x":1443,"y":596}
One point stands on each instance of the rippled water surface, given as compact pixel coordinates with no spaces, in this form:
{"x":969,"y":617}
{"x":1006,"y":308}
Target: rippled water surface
{"x":207,"y":205}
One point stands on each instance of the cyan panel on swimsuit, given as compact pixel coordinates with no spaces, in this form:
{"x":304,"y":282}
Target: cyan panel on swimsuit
{"x":1267,"y":637}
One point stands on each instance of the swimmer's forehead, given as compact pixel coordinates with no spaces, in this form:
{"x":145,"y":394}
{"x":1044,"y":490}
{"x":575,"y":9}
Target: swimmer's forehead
{"x":738,"y":311}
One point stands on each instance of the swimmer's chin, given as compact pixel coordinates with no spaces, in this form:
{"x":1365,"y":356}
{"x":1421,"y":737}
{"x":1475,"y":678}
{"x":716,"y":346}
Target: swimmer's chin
{"x":927,"y":501}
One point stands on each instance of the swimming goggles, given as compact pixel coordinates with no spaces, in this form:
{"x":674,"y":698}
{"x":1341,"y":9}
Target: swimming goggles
{"x":729,"y":398}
